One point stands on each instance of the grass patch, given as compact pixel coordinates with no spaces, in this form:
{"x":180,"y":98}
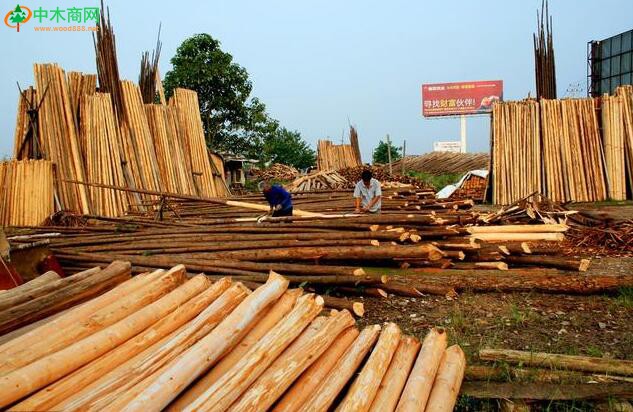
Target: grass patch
{"x":625,"y":298}
{"x":593,"y":351}
{"x":437,"y":181}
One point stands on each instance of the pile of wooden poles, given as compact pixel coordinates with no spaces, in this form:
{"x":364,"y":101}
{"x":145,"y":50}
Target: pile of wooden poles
{"x":276,"y":171}
{"x":48,"y":294}
{"x":321,"y":180}
{"x":439,"y":163}
{"x":555,"y":147}
{"x":443,"y":241}
{"x":153,"y":147}
{"x":162,"y":341}
{"x":26,"y":192}
{"x":473,"y":187}
{"x":333,"y":157}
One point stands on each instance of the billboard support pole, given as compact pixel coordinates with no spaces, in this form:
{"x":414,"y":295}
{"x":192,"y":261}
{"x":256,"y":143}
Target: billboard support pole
{"x":463,"y":132}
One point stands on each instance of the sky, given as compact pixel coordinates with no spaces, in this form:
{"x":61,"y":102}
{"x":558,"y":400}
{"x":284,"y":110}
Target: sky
{"x":320,"y":65}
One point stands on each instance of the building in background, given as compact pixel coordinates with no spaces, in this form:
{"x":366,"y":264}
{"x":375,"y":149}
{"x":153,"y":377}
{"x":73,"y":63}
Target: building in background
{"x":610,"y":63}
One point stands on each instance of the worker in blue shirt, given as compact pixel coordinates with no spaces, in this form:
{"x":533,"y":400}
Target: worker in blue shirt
{"x":279,"y":199}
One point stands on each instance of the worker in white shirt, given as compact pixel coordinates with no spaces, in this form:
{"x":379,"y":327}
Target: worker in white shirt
{"x":367,"y":194}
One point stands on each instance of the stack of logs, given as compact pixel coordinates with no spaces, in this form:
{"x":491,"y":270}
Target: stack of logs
{"x":160,"y":340}
{"x":438,"y":240}
{"x":473,"y":187}
{"x":353,"y":175}
{"x":276,"y":171}
{"x":318,"y":181}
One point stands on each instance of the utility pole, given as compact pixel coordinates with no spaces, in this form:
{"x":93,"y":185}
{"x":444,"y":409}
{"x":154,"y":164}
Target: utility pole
{"x":404,"y":153}
{"x":389,"y":154}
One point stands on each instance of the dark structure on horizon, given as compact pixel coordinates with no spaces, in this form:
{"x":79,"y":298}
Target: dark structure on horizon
{"x":610,"y":63}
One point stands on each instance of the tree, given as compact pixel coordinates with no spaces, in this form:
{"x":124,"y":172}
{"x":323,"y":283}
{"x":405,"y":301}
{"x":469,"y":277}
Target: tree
{"x":287,"y":147}
{"x":223,"y":91}
{"x":381,"y":153}
{"x":232,"y":120}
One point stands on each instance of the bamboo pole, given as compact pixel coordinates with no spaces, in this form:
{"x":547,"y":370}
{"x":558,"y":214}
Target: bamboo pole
{"x":323,"y":397}
{"x":363,"y":391}
{"x":447,"y":381}
{"x":291,"y":363}
{"x":569,"y":362}
{"x":418,"y":388}
{"x":396,"y":376}
{"x":316,"y":373}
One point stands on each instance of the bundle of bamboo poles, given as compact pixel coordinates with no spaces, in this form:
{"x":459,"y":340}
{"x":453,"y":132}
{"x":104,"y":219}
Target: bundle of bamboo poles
{"x":333,"y":157}
{"x":59,"y":137}
{"x":137,"y":139}
{"x":160,"y":341}
{"x":613,"y":126}
{"x":190,"y":125}
{"x":516,"y":151}
{"x":80,"y":84}
{"x":174,"y":171}
{"x":553,"y":147}
{"x":572,"y":151}
{"x":544,"y":60}
{"x":26,"y":192}
{"x":100,"y":139}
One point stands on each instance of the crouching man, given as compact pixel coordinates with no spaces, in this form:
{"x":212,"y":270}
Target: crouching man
{"x":279,"y":199}
{"x":367,"y":194}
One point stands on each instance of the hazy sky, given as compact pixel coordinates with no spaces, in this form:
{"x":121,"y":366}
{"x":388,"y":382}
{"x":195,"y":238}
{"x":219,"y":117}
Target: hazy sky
{"x":317,"y":64}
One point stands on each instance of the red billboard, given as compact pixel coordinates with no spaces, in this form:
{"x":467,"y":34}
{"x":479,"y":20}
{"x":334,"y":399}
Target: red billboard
{"x":449,"y":99}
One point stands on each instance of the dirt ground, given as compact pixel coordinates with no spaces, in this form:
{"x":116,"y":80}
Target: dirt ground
{"x":596,"y":325}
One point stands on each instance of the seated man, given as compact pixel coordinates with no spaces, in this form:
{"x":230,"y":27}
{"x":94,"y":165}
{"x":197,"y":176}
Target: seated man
{"x":279,"y":200}
{"x":367,"y":194}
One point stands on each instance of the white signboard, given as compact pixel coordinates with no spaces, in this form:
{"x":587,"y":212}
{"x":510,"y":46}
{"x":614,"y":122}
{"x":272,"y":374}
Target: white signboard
{"x":455,"y":147}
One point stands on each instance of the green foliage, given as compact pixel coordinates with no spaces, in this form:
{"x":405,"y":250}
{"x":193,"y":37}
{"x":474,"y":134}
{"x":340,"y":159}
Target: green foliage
{"x":287,"y":147}
{"x":437,"y":181}
{"x":381,"y":153}
{"x":625,"y":298}
{"x":232,"y":120}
